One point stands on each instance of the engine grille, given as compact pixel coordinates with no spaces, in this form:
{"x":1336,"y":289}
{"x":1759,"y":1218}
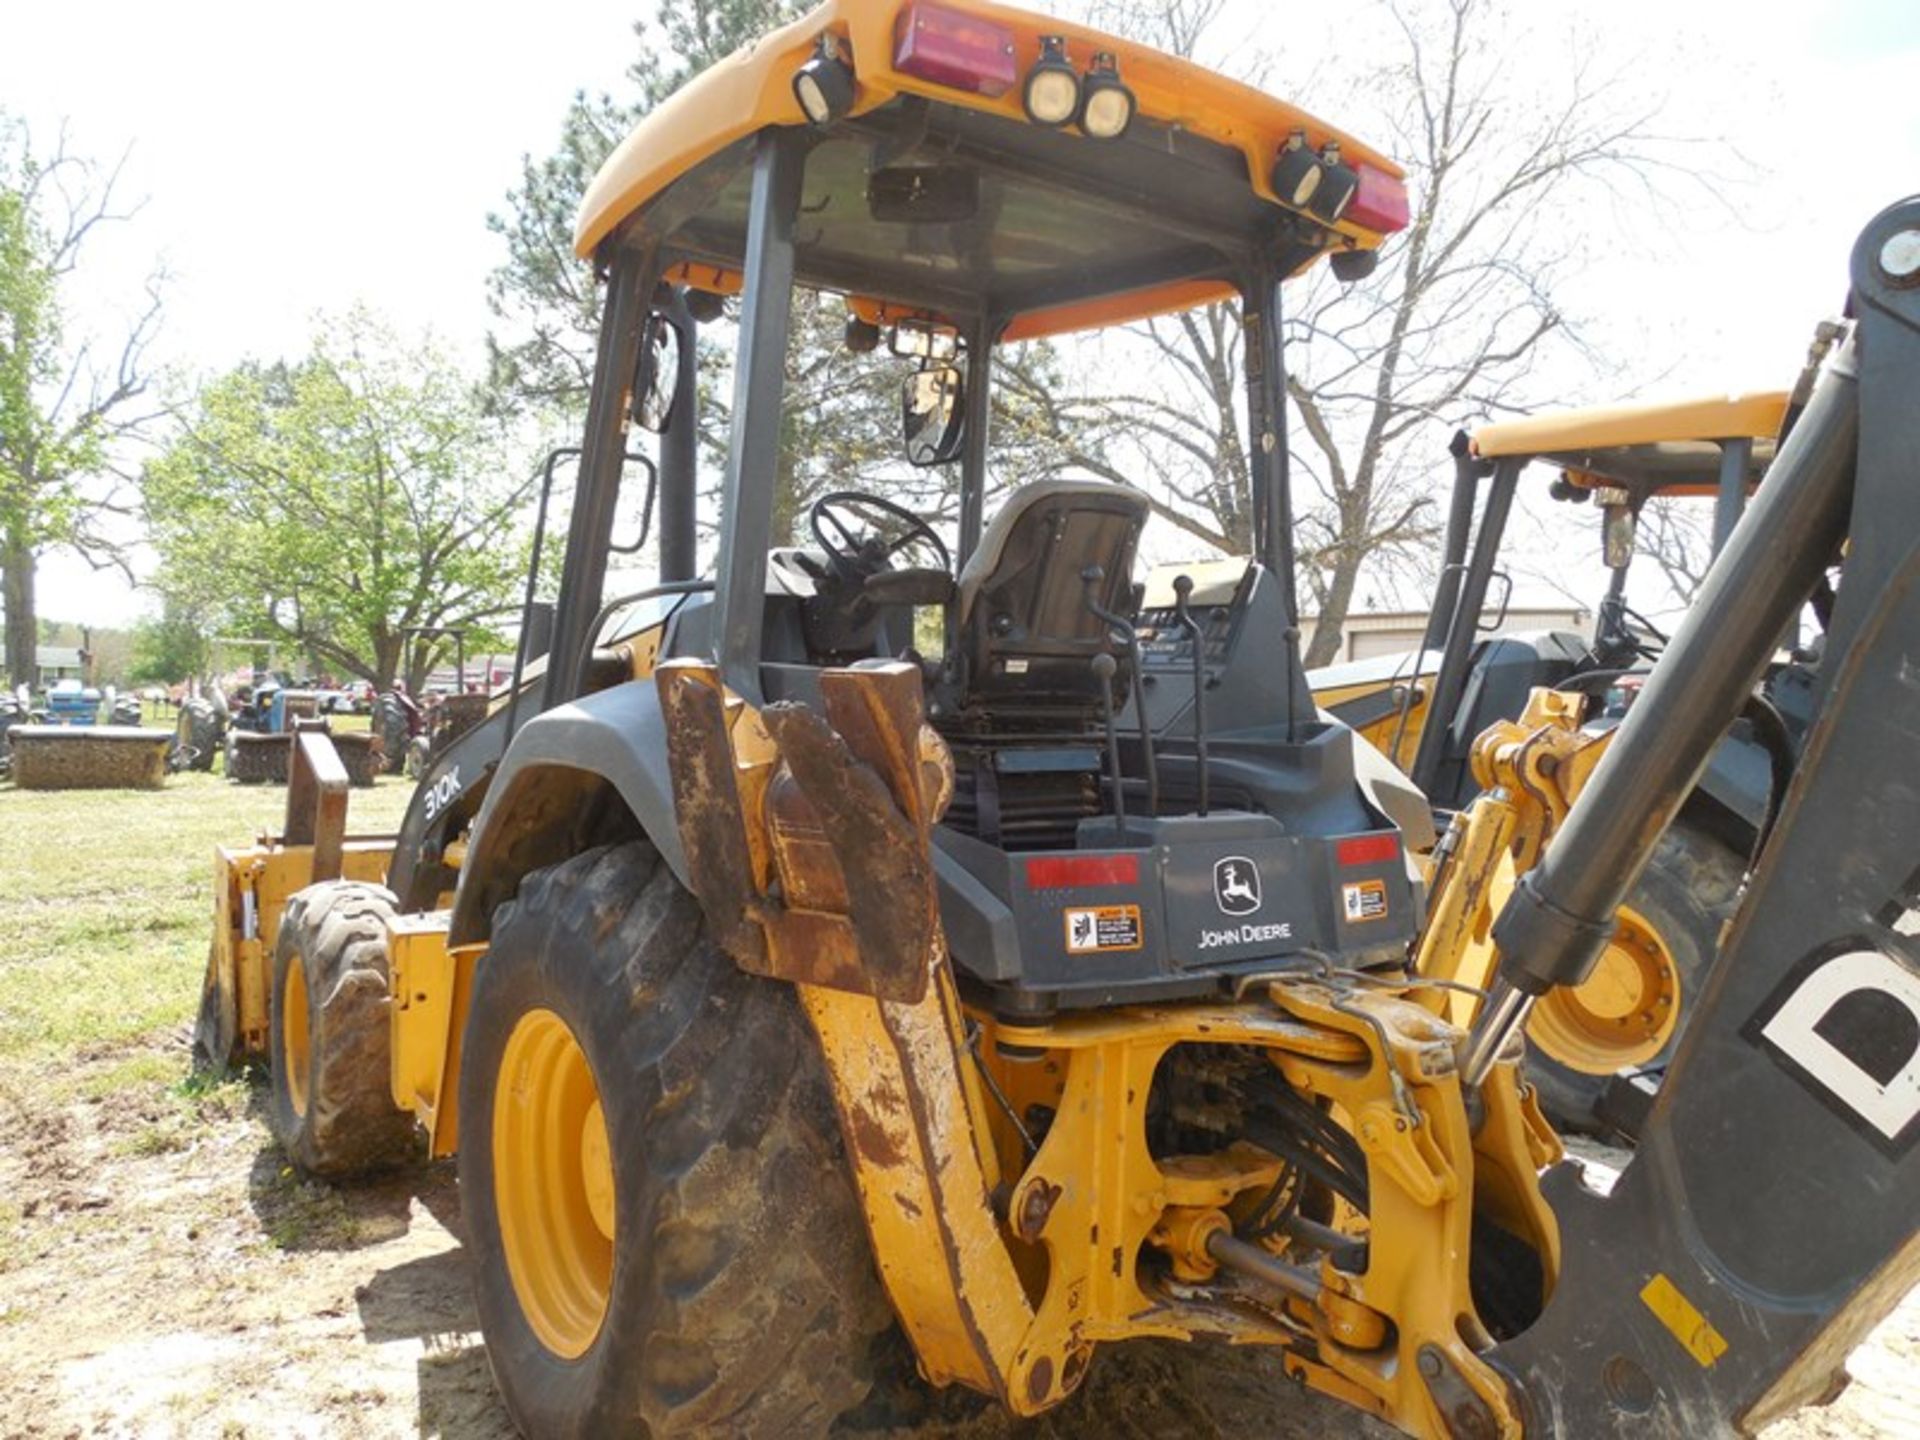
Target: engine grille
{"x":1034,"y":812}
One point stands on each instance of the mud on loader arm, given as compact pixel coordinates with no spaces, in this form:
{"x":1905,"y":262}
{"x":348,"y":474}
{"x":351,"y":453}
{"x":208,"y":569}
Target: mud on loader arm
{"x":807,"y":844}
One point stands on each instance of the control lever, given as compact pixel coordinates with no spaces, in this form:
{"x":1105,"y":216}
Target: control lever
{"x":1122,"y":629}
{"x":1104,"y":667}
{"x":1182,"y":589}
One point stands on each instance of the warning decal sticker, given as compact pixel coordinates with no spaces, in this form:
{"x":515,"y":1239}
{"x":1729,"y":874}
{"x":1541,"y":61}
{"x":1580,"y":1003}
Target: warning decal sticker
{"x":1095,"y":928}
{"x":1364,"y":900}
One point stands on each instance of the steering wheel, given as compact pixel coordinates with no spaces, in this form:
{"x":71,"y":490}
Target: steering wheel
{"x":868,"y":553}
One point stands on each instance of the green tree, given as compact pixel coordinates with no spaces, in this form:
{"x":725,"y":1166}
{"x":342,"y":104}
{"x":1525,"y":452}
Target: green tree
{"x":337,"y":502}
{"x":841,"y":426}
{"x":171,"y":648}
{"x":543,"y":299}
{"x":66,"y":405}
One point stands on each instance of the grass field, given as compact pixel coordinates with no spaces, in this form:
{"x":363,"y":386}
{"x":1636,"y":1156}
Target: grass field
{"x":163,"y":1272}
{"x":104,"y":903}
{"x":137,"y":1202}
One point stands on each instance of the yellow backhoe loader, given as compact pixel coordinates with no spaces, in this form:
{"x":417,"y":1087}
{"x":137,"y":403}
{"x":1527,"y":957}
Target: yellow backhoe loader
{"x":1598,"y":1050}
{"x":777,"y":982}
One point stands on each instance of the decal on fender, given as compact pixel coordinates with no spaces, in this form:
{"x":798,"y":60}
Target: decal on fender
{"x":1094,"y":929}
{"x":1364,"y":900}
{"x":443,"y":792}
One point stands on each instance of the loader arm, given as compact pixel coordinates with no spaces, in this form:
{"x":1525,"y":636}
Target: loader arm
{"x":1768,"y":1218}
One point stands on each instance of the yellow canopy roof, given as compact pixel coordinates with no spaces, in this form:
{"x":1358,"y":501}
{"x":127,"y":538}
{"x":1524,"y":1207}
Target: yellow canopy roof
{"x":1667,"y":448}
{"x":1607,"y":427}
{"x":752,"y":89}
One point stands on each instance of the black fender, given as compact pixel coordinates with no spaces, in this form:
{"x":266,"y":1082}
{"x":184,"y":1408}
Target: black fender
{"x":581,"y":774}
{"x":1739,"y":779}
{"x":1730,"y":800}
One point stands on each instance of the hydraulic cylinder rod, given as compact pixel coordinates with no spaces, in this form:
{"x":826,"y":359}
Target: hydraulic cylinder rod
{"x":1257,"y":1264}
{"x":1559,"y":919}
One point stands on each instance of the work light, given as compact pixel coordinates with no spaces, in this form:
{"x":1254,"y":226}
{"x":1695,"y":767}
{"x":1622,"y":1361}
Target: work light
{"x":824,"y":84}
{"x":1052,"y":92}
{"x":1297,"y":173}
{"x":705,"y":306}
{"x":1106,"y":106}
{"x":1351,"y":265}
{"x":1337,"y":183}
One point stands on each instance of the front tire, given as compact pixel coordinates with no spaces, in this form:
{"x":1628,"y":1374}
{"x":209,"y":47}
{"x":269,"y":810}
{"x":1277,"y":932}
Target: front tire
{"x":1632,"y":1010}
{"x":664,"y":1226}
{"x":332,"y":1102}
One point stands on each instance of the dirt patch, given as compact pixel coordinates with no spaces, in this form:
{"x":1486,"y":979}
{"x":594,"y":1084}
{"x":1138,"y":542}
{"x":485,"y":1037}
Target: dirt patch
{"x":191,"y":1285}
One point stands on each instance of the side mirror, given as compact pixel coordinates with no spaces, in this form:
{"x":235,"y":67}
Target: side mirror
{"x":645,"y":527}
{"x":657,"y":376}
{"x":923,"y":340}
{"x":933,"y":415}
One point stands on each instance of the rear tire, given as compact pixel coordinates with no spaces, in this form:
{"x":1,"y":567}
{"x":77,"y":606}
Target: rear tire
{"x":217,"y":1027}
{"x":332,"y":1103}
{"x":731,"y":1289}
{"x":1684,"y":897}
{"x":390,"y":724}
{"x":198,"y":735}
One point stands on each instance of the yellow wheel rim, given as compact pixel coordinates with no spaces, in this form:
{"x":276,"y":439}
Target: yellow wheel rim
{"x":1625,"y":1012}
{"x":295,"y":1036}
{"x":553,"y":1183}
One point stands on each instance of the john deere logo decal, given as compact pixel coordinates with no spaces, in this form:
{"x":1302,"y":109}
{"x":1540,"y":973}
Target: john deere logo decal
{"x":1236,"y":885}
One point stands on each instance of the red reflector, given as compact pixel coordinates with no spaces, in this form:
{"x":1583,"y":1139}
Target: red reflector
{"x":1379,"y":202}
{"x":948,"y":47}
{"x":1070,"y":872}
{"x":1367,"y":849}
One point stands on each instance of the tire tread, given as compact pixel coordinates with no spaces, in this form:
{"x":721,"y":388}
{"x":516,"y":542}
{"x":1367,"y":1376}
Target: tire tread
{"x":337,"y":932}
{"x":757,"y":1302}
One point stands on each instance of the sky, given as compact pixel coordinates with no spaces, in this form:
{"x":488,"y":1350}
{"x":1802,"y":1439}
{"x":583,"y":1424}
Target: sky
{"x":295,"y":160}
{"x":298,"y":160}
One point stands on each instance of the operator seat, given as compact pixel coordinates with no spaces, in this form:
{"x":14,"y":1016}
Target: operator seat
{"x":1025,"y":637}
{"x":1504,"y":671}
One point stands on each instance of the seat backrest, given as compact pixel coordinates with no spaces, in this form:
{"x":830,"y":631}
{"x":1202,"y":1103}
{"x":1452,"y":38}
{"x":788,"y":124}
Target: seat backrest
{"x":1504,"y":671}
{"x":1026,"y":635}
